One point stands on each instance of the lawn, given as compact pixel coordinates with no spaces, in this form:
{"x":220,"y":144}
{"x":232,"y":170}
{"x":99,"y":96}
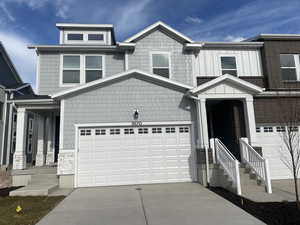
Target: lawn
{"x":272,"y":213}
{"x":33,"y":209}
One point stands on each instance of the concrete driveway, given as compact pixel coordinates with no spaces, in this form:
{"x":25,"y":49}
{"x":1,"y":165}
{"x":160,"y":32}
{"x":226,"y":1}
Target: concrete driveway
{"x":157,"y":204}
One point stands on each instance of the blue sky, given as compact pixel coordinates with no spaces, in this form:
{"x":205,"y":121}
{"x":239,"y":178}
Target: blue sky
{"x":24,"y":22}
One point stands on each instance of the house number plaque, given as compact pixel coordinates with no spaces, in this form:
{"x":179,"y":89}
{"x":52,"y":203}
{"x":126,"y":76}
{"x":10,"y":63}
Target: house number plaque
{"x":137,"y":123}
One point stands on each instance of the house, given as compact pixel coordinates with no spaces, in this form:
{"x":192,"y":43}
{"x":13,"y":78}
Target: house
{"x":147,"y":109}
{"x":11,"y":85}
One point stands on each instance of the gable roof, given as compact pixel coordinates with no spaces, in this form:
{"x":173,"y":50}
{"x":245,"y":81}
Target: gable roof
{"x":239,"y":82}
{"x":118,"y":76}
{"x":156,"y":25}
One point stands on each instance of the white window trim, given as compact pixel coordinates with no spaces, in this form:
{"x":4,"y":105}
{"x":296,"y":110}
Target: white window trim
{"x":82,"y":69}
{"x":236,"y":61}
{"x":297,"y":66}
{"x":170,"y":63}
{"x":85,"y":37}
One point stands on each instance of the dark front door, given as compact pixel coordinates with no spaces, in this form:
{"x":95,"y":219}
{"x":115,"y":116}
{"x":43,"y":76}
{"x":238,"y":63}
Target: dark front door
{"x":226,"y":122}
{"x":56,"y":144}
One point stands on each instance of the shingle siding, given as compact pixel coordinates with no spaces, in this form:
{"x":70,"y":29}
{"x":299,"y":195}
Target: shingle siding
{"x":181,"y":62}
{"x":116,"y":103}
{"x":50,"y":69}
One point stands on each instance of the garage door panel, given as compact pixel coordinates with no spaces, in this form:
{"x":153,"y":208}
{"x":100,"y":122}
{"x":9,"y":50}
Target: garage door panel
{"x":134,"y":156}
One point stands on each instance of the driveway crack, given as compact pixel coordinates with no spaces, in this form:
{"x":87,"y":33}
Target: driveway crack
{"x":139,"y":189}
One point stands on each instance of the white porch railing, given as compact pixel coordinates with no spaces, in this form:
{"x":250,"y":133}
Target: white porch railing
{"x":256,"y":163}
{"x":228,"y":162}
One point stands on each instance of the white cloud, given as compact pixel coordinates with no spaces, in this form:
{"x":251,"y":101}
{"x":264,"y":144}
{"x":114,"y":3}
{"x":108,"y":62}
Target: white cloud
{"x":193,"y":19}
{"x":233,"y":38}
{"x":23,"y":58}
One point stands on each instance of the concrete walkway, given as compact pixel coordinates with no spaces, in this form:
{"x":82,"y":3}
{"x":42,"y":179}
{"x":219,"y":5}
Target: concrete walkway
{"x":158,"y":204}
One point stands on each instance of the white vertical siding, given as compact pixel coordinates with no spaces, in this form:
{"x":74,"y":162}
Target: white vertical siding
{"x":208,"y":62}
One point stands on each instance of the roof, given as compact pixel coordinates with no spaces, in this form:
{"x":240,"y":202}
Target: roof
{"x":31,"y":97}
{"x":199,"y":45}
{"x":83,"y":25}
{"x":10,"y":64}
{"x":247,"y":85}
{"x":155,"y":26}
{"x":118,"y":76}
{"x":86,"y":47}
{"x":275,"y":37}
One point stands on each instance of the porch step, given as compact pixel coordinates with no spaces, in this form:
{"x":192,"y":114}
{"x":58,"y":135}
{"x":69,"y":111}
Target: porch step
{"x":34,"y":190}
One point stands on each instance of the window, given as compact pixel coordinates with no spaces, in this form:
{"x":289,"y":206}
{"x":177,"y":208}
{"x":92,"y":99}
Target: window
{"x":228,"y":65}
{"x":280,"y":129}
{"x":71,"y":69}
{"x":156,"y":130}
{"x":85,"y":132}
{"x":183,"y":129}
{"x":268,"y":129}
{"x":170,"y":130}
{"x":95,"y":37}
{"x":293,"y":129}
{"x":114,"y":131}
{"x":257,"y":129}
{"x":128,"y":131}
{"x":288,"y":66}
{"x":1,"y":111}
{"x":93,"y":68}
{"x":143,"y":130}
{"x":161,"y":64}
{"x":100,"y":132}
{"x":75,"y":37}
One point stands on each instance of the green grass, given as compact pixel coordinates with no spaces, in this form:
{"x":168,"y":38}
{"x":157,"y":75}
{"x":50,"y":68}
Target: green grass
{"x":34,"y":208}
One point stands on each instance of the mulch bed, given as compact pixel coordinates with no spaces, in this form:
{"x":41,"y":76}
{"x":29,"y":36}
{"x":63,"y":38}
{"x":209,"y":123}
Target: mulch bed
{"x":271,"y":213}
{"x":5,"y":191}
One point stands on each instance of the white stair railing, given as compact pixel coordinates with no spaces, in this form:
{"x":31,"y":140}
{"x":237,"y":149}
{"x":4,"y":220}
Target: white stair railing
{"x":228,"y":163}
{"x":258,"y":164}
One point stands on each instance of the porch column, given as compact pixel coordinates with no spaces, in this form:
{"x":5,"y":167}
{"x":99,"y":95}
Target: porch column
{"x":40,"y":156}
{"x":204,"y":143}
{"x":50,"y":144}
{"x":19,"y":161}
{"x":250,"y":120}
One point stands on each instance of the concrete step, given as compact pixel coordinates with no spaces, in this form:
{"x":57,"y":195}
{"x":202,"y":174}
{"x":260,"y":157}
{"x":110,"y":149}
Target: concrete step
{"x":35,"y":190}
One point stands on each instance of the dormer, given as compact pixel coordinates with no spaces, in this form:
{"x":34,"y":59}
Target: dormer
{"x":86,"y":34}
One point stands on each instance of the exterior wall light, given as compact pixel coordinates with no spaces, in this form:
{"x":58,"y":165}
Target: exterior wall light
{"x":136,"y":114}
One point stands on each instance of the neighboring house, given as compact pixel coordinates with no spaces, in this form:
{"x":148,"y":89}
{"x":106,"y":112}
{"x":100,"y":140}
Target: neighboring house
{"x":137,"y":111}
{"x":11,"y":85}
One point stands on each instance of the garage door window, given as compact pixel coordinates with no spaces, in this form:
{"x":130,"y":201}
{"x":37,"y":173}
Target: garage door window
{"x":268,"y":129}
{"x":85,"y":132}
{"x":128,"y":131}
{"x":280,"y":129}
{"x":100,"y":132}
{"x":170,"y":130}
{"x":114,"y":131}
{"x":183,"y":129}
{"x":143,"y":131}
{"x":156,"y":130}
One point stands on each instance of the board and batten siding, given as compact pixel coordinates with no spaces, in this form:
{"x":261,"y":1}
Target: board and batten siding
{"x":208,"y":62}
{"x":116,"y":103}
{"x":181,"y":61}
{"x":49,"y":70}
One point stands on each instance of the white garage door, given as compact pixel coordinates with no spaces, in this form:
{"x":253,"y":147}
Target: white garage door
{"x":126,"y":155}
{"x":270,"y":139}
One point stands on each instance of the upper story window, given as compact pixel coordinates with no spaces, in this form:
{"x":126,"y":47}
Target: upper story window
{"x":71,"y":69}
{"x":289,"y":66}
{"x":83,"y":37}
{"x":80,"y":69}
{"x":228,"y":65}
{"x":161,"y":64}
{"x":75,"y":37}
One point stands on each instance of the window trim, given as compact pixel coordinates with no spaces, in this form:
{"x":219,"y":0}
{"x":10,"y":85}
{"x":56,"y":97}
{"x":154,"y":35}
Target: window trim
{"x":170,"y":63}
{"x":82,"y":69}
{"x":85,"y":37}
{"x":236,"y":62}
{"x":297,"y":66}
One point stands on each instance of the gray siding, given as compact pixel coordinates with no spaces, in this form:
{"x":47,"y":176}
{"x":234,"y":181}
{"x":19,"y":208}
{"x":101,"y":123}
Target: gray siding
{"x":181,"y":62}
{"x":50,"y":66}
{"x":2,"y":98}
{"x":116,"y":102}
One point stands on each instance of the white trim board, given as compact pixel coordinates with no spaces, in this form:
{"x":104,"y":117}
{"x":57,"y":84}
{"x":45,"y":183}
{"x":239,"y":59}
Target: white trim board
{"x":125,"y":124}
{"x":155,"y":25}
{"x":117,"y":76}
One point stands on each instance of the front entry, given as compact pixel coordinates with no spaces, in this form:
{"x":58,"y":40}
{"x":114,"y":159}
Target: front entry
{"x":226,"y":121}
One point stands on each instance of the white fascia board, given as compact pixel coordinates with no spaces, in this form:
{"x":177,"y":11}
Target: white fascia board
{"x":40,"y":101}
{"x":119,"y":75}
{"x":82,"y":25}
{"x":275,"y":37}
{"x":231,"y":78}
{"x":153,"y":26}
{"x":73,"y":47}
{"x":233,"y":44}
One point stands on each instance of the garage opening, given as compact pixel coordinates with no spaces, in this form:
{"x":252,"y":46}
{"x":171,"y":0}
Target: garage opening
{"x":226,"y":121}
{"x":134,"y":155}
